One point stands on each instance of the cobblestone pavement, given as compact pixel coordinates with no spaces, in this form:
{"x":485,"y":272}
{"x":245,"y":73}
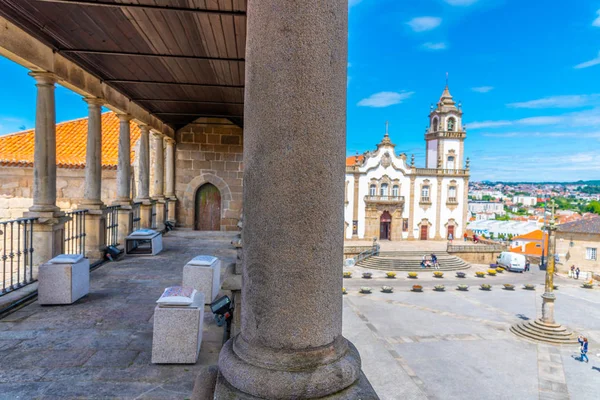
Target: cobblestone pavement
{"x":100,"y":347}
{"x":457,"y":345}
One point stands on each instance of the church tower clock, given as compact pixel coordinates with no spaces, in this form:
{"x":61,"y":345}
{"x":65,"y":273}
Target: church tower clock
{"x":445,"y":135}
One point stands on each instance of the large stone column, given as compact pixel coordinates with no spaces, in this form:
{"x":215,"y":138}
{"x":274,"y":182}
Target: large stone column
{"x":48,"y":231}
{"x":125,"y":214}
{"x":170,"y":178}
{"x":95,"y":221}
{"x":291,"y":344}
{"x":144,"y":177}
{"x":159,"y":179}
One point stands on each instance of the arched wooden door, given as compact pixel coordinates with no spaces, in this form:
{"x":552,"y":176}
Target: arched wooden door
{"x":385,"y":226}
{"x":207,"y":212}
{"x":424,"y":232}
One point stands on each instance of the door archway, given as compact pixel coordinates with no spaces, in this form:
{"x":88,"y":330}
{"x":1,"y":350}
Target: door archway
{"x":207,"y":208}
{"x":385,"y":226}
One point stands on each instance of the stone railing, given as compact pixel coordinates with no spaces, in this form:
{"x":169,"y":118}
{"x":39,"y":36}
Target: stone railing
{"x":384,"y":199}
{"x":446,"y":135}
{"x":441,"y":171}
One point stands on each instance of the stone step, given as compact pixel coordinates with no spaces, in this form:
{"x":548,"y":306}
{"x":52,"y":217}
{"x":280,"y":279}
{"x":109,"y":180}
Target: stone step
{"x":528,"y":331}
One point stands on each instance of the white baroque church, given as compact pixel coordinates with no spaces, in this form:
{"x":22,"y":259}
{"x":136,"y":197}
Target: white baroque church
{"x":389,"y":198}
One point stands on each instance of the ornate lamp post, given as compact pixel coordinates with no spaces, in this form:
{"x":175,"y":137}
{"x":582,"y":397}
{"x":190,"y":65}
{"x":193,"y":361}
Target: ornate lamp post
{"x":545,"y":329}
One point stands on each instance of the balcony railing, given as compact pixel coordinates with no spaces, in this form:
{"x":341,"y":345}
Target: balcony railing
{"x":446,"y":134}
{"x":75,"y":232}
{"x":16,"y":240}
{"x":136,"y":216}
{"x":452,"y":200}
{"x":426,"y":200}
{"x":112,"y":226}
{"x":441,"y":171}
{"x":384,"y":199}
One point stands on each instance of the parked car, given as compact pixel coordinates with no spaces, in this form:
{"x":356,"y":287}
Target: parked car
{"x":512,"y":261}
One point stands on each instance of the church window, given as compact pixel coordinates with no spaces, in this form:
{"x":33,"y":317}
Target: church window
{"x":373,"y":190}
{"x":452,"y":194}
{"x":395,"y":191}
{"x":451,"y":124}
{"x":425,"y":194}
{"x":383,"y":191}
{"x":450,"y":163}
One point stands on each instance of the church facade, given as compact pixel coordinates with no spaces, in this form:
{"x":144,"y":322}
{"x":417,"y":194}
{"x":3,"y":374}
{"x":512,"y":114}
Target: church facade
{"x":389,"y":198}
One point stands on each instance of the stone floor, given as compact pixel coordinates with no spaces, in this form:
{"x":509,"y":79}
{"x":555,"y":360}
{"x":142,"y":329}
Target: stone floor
{"x":100,"y":347}
{"x":456,"y":345}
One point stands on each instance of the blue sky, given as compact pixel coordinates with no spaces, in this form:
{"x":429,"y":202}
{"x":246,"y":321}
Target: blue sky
{"x":526,"y":71}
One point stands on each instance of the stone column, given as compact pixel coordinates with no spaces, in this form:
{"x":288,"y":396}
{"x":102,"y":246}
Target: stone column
{"x":355,"y":205}
{"x":125,"y":213}
{"x":411,"y":210}
{"x":48,"y":231}
{"x":549,"y":297}
{"x":438,"y":211}
{"x":144,"y":177}
{"x":95,"y":220}
{"x":159,"y":180}
{"x":291,"y":344}
{"x":170,"y":178}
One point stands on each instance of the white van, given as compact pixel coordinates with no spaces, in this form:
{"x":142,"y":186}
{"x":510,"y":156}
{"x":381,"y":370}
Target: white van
{"x":512,"y":261}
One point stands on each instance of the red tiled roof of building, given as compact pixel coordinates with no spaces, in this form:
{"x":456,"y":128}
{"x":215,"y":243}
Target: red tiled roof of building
{"x":16,"y":149}
{"x":531,"y":249}
{"x":534,"y":235}
{"x":352,"y":160}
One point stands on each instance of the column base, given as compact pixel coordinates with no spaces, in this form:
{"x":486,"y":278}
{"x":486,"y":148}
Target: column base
{"x":95,"y":234}
{"x":282,"y":375}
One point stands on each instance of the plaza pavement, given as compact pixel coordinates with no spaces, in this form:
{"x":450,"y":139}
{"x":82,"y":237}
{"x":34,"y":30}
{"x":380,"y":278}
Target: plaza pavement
{"x":457,"y":345}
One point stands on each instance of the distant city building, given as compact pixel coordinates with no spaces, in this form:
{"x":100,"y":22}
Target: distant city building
{"x":389,"y":198}
{"x":530,"y":244}
{"x":525,"y":200}
{"x":513,"y":228}
{"x":486,"y":207}
{"x":578,"y":243}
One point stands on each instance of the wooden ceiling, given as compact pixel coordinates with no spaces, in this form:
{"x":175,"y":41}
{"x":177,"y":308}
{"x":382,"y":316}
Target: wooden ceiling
{"x":179,"y":59}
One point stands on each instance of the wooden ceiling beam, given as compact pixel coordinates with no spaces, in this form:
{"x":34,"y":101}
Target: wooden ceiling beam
{"x":145,"y":6}
{"x":177,"y":114}
{"x":152,"y":55}
{"x":225,"y":103}
{"x":140,"y":82}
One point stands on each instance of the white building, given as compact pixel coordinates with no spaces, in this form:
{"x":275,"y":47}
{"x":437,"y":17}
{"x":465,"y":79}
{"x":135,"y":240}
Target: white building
{"x":525,"y":200}
{"x":388,"y":198}
{"x":514,"y":228}
{"x":476,"y":207}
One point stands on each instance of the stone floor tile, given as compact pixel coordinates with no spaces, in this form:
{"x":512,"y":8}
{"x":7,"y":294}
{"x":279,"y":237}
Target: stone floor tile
{"x":31,"y":390}
{"x":112,"y":358}
{"x":65,"y":358}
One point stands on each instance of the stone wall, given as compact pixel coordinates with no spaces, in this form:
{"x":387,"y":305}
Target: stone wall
{"x":209,"y":151}
{"x":16,"y":189}
{"x":572,"y":247}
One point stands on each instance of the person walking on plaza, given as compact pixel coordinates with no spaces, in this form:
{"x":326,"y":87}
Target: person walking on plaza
{"x":527,"y":266}
{"x":572,"y":274}
{"x":450,"y":237}
{"x":584,"y":348}
{"x":465,"y":236}
{"x":577,"y":271}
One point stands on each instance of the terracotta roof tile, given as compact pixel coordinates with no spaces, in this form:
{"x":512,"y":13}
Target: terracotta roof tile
{"x":531,"y":249}
{"x":351,"y":161}
{"x":16,"y":149}
{"x":586,"y":225}
{"x":534,"y":235}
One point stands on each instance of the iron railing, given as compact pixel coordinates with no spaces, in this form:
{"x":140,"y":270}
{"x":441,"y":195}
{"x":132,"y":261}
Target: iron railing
{"x":75,"y":232}
{"x":153,"y":215}
{"x":367,"y":253}
{"x":136,"y":220}
{"x":112,"y":226}
{"x":16,"y":239}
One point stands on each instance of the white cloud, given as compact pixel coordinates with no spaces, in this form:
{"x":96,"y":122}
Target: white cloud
{"x":590,"y":63}
{"x":597,"y":20}
{"x":435,"y":46}
{"x":461,"y":2}
{"x":384,"y":99}
{"x":570,"y":101}
{"x":586,"y":118}
{"x":488,"y":124}
{"x":482,"y":89}
{"x":422,"y":24}
{"x":537,"y":121}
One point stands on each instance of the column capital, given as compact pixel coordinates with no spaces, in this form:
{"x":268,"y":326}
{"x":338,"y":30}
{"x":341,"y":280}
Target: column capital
{"x":124,"y":117}
{"x":144,"y":128}
{"x":94,"y":101}
{"x":44,"y":77}
{"x":169,"y":140}
{"x":156,"y":134}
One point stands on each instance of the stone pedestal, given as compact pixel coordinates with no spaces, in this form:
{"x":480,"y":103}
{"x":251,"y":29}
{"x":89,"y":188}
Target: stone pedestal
{"x":171,"y":217}
{"x":291,"y":344}
{"x":63,"y":281}
{"x":125,"y":220}
{"x":160,"y":214}
{"x":548,"y":308}
{"x":146,"y":215}
{"x":177,"y":333}
{"x":204,"y":278}
{"x":95,"y":232}
{"x":48,"y":237}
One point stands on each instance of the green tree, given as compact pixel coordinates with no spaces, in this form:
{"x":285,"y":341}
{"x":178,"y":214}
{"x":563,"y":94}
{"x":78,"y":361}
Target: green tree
{"x":593,"y":207}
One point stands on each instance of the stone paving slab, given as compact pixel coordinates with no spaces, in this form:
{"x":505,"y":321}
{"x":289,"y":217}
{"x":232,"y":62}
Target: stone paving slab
{"x":100,"y":347}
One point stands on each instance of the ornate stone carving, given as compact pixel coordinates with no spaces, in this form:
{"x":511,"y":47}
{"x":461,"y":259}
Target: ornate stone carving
{"x":386,"y":160}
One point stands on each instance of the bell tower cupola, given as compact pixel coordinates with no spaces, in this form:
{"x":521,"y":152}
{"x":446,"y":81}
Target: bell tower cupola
{"x":445,"y":135}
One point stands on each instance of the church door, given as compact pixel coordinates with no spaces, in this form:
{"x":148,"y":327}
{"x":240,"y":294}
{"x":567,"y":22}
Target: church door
{"x":207,"y":208}
{"x":424,"y":232}
{"x":450,"y":232}
{"x":385,"y":226}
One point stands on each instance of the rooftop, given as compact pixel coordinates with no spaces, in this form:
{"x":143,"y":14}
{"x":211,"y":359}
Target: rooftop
{"x":586,"y":225}
{"x":16,"y":149}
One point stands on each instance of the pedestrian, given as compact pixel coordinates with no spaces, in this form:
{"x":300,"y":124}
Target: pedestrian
{"x":584,"y":348}
{"x":434,"y":261}
{"x":527,"y":266}
{"x":450,"y":237}
{"x":577,"y":271}
{"x":465,"y":236}
{"x":572,"y":273}
{"x":424,"y":262}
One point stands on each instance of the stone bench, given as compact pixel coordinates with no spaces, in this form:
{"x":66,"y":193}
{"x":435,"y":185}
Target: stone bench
{"x":64,"y":279}
{"x":177,"y":334}
{"x":144,"y":242}
{"x":203,"y":273}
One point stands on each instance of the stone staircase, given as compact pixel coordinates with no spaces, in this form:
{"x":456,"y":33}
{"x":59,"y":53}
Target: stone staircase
{"x":539,"y":331}
{"x":411,"y":261}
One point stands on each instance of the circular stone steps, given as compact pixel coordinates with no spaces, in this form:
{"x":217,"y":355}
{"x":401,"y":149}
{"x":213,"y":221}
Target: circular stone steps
{"x":546,"y":333}
{"x":411,"y":261}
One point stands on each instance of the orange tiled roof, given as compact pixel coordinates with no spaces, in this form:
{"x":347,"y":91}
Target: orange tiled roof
{"x":531,"y":249}
{"x":16,"y":149}
{"x":534,"y":235}
{"x":351,"y":161}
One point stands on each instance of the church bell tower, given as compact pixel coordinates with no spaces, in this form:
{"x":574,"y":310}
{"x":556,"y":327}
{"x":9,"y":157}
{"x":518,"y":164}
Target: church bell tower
{"x":445,"y":135}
